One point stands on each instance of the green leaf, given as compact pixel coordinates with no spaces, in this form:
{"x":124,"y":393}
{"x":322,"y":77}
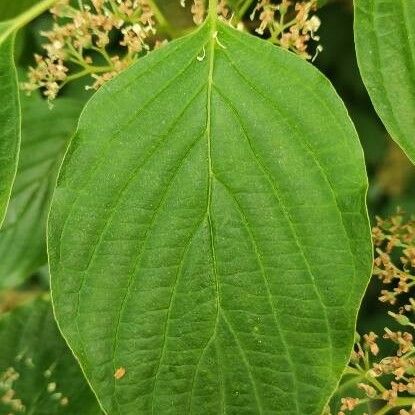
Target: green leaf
{"x":321,"y":3}
{"x":385,"y":46}
{"x":236,"y":4}
{"x":32,"y":348}
{"x":9,"y":117}
{"x":209,"y":234}
{"x":23,"y":236}
{"x":10,"y":9}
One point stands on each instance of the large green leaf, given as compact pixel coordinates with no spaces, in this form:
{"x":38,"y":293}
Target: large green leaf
{"x":49,"y":380}
{"x":208,"y":234}
{"x":9,"y":117}
{"x":385,"y":45}
{"x":23,"y":236}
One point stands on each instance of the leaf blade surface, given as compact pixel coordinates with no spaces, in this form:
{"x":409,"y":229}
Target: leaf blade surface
{"x":385,"y":46}
{"x":23,"y":235}
{"x":214,"y":186}
{"x":9,"y":118}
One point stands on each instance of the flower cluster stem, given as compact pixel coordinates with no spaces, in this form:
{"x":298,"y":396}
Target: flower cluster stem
{"x":244,"y":8}
{"x":399,"y":403}
{"x":363,"y":373}
{"x":26,"y":17}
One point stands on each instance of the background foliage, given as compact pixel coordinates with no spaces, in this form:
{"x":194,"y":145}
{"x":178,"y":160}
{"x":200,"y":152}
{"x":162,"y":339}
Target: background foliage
{"x":392,"y":177}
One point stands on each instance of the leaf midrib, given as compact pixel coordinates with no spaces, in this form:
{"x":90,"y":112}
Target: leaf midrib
{"x":212,"y":42}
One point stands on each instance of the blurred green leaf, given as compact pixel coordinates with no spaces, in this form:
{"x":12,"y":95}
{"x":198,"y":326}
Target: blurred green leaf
{"x":48,"y":378}
{"x":9,"y":116}
{"x":385,"y":45}
{"x":235,"y":4}
{"x":10,"y":113}
{"x":12,"y":8}
{"x":45,"y":133}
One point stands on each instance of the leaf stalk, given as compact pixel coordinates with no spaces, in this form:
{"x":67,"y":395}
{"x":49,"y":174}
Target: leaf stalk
{"x":213,"y":9}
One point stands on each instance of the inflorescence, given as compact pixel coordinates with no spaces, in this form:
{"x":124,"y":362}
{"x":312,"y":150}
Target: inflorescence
{"x":388,"y":383}
{"x":101,"y":38}
{"x":80,"y":41}
{"x":289,"y":24}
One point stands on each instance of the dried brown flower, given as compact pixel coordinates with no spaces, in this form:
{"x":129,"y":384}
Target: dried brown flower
{"x":289,"y":24}
{"x":80,"y":39}
{"x":392,"y":378}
